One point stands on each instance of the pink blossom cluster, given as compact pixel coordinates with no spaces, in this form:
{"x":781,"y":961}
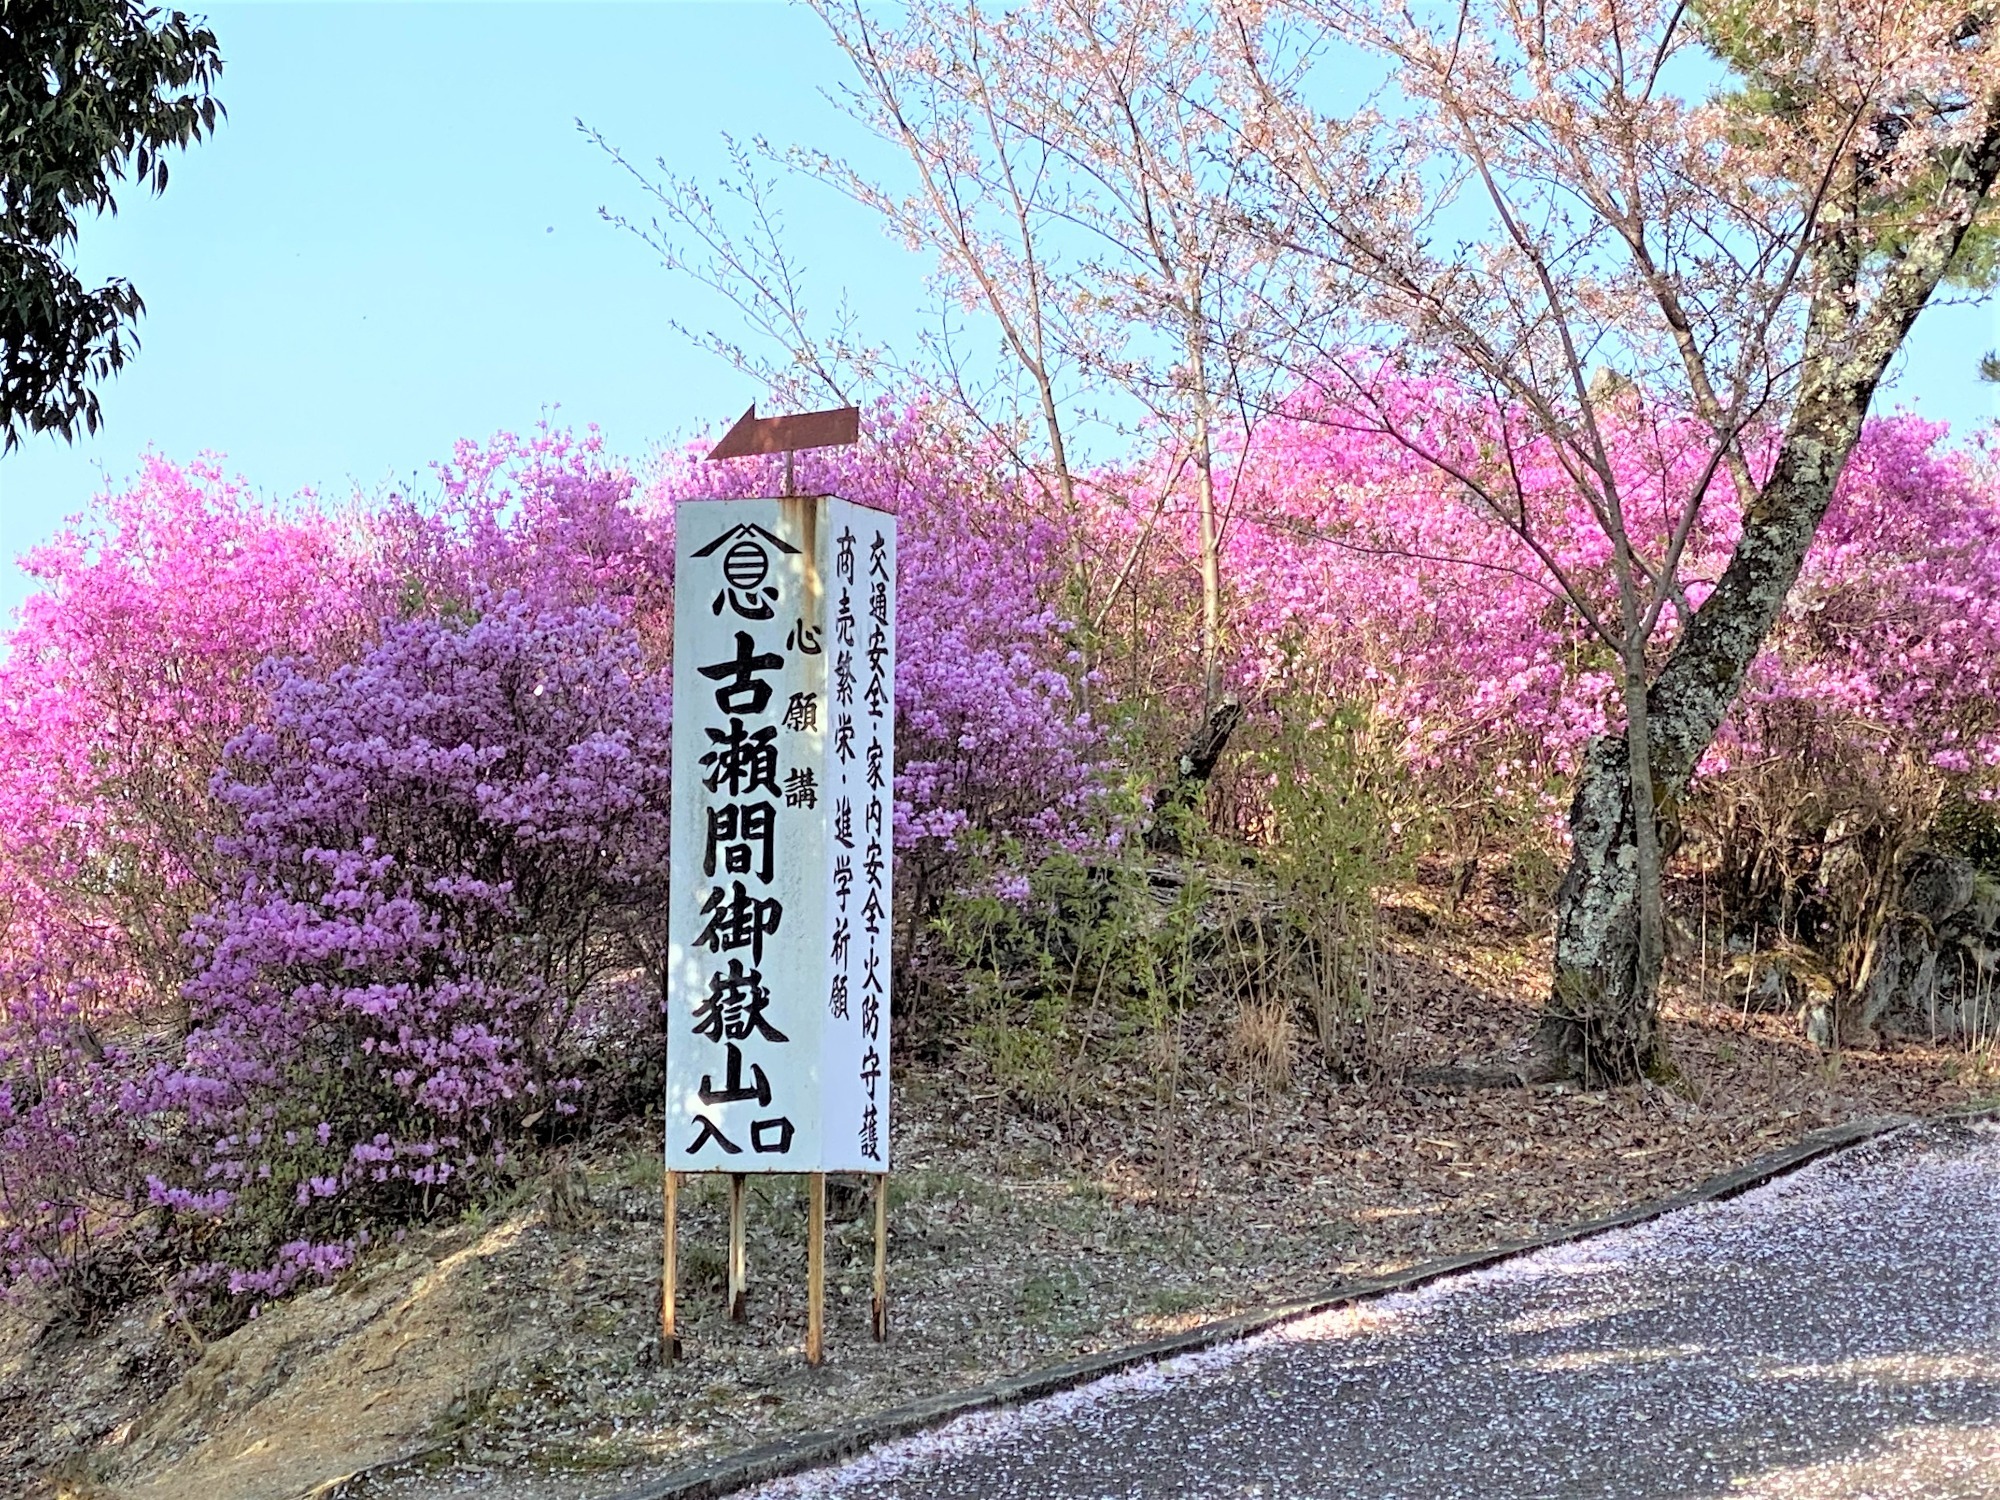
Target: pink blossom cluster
{"x":549,"y":518}
{"x":1362,"y":573}
{"x":125,"y":675}
{"x":1890,"y":642}
{"x":331,"y":840}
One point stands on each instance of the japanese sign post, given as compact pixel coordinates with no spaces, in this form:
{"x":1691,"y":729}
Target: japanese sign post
{"x":783,"y":808}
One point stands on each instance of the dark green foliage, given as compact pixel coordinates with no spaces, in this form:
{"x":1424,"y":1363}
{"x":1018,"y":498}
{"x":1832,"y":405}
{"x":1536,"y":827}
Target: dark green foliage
{"x":1970,"y":830}
{"x":92,"y":92}
{"x":1768,"y":83}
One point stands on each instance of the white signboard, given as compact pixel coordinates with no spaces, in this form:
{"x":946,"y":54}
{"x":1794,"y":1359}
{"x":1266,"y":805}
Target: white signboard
{"x":784,"y":753}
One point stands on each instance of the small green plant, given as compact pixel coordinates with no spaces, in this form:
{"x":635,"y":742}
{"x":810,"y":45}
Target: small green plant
{"x":1062,"y":961}
{"x":703,"y":1267}
{"x":1172,"y":1301}
{"x":1341,"y":826}
{"x":1045,"y":1294}
{"x":1968,"y":828}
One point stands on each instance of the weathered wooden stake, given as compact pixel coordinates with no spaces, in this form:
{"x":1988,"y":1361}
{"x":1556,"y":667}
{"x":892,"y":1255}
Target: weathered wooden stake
{"x":815,"y":1268}
{"x":880,"y":1320}
{"x":739,"y":1279}
{"x":670,"y":1340}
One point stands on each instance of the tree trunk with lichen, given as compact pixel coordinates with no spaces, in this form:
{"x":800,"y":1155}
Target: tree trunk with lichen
{"x":1177,"y":798}
{"x":1601,"y":1021}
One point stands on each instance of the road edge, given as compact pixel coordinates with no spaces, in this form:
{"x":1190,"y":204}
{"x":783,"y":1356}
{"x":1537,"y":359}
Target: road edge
{"x":785,"y":1457}
{"x":797,"y":1455}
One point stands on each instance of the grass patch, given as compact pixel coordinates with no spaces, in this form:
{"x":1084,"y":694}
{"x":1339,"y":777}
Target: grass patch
{"x":1172,"y":1301}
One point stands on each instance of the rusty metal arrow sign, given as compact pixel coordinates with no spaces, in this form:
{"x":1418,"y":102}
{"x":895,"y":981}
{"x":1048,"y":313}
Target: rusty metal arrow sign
{"x":836,"y":427}
{"x":752,"y":434}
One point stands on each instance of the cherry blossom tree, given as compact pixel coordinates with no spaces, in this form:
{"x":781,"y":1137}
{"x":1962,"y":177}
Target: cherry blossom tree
{"x":1078,"y":177}
{"x":1555,"y":208}
{"x":1082,"y":177}
{"x":1566,"y":222}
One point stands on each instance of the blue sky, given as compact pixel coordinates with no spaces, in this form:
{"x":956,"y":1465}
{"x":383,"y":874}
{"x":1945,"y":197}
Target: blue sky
{"x":394,"y":242}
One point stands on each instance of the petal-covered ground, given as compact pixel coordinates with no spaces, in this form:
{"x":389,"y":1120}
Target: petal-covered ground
{"x":1831,"y":1336}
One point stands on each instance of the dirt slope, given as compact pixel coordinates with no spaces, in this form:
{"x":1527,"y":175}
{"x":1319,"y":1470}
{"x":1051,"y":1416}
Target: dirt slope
{"x":523,"y":1345}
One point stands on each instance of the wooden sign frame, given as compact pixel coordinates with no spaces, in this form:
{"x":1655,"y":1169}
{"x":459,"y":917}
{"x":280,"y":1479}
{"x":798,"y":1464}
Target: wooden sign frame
{"x":751,"y":436}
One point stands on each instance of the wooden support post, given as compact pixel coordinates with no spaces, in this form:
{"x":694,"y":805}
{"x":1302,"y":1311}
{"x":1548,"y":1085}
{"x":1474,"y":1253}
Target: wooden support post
{"x":880,"y":1310}
{"x":815,"y":1269}
{"x":739,"y":1280}
{"x":670,"y":1339}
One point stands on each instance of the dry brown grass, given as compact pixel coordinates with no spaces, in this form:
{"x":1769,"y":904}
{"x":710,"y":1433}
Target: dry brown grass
{"x":1263,"y":1044}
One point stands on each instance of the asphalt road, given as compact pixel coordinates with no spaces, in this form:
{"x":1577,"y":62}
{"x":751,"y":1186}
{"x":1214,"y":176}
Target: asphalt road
{"x":1833,"y":1335}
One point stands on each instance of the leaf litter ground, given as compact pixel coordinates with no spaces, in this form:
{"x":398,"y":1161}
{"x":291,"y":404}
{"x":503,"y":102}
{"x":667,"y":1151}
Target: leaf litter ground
{"x":522,"y":1344}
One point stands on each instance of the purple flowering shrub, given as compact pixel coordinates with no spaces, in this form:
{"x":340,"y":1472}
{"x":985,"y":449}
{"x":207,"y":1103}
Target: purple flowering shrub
{"x":70,"y":1149}
{"x":991,"y":736}
{"x":451,"y":855}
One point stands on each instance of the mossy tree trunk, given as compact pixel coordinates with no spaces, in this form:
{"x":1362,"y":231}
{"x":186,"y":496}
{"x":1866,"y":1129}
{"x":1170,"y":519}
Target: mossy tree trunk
{"x":1601,"y":1020}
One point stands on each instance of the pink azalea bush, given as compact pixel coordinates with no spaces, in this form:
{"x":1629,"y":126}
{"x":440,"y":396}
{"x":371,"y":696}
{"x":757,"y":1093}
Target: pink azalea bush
{"x":1890,"y":642}
{"x":187,"y":620}
{"x":334,"y":840}
{"x":1365,"y":575}
{"x":1360,"y":575}
{"x":126,"y":674}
